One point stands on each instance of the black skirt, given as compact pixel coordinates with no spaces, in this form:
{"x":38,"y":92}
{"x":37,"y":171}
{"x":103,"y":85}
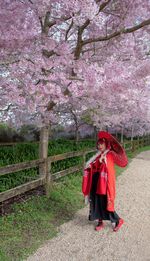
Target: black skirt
{"x":98,"y":204}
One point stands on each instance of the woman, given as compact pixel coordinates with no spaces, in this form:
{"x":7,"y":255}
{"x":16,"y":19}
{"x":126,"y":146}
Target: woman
{"x":99,"y":180}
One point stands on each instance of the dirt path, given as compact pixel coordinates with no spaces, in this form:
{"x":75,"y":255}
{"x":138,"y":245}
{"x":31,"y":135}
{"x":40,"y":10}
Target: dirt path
{"x":77,"y":240}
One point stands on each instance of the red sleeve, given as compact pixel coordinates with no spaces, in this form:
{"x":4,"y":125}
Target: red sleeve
{"x":111,"y":187}
{"x":86,"y":181}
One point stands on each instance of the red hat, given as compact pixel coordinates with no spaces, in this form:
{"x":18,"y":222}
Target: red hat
{"x":118,"y":152}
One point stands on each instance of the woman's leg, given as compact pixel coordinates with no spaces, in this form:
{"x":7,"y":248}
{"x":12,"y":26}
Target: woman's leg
{"x":116,"y":221}
{"x":114,"y":218}
{"x":100,"y":225}
{"x":94,"y":205}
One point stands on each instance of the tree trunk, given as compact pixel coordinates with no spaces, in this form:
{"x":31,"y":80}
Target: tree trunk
{"x":138,"y":141}
{"x":132,"y":133}
{"x":116,"y":134}
{"x":122,"y":130}
{"x":95,"y":133}
{"x":107,"y":129}
{"x":76,"y":132}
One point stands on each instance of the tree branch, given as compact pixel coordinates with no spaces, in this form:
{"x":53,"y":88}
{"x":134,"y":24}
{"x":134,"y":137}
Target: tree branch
{"x":103,"y":5}
{"x":50,"y":105}
{"x":8,"y":108}
{"x":117,"y":33}
{"x":47,"y":24}
{"x":79,"y":39}
{"x":68,"y":30}
{"x":48,"y":54}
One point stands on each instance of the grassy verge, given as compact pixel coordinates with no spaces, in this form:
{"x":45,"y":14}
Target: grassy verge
{"x":36,"y":220}
{"x":29,"y":151}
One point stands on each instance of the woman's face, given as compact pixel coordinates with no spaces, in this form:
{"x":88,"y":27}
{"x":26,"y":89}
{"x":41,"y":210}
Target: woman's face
{"x":102,"y":146}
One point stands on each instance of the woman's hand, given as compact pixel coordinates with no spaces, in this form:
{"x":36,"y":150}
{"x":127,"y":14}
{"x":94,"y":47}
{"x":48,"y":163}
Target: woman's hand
{"x":109,"y":202}
{"x":86,"y":200}
{"x":110,"y":205}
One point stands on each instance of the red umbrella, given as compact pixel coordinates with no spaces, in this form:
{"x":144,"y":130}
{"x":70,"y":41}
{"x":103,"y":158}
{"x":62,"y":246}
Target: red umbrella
{"x":118,"y":152}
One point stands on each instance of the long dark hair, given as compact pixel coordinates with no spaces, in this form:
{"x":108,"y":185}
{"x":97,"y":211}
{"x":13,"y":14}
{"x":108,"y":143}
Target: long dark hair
{"x":103,"y":140}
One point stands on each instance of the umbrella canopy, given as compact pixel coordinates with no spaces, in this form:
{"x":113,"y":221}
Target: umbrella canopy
{"x":118,"y":152}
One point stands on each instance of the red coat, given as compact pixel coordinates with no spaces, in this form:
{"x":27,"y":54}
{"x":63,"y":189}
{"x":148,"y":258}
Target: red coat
{"x":110,"y":187}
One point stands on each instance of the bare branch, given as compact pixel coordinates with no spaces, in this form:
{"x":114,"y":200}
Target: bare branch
{"x":48,"y":54}
{"x":110,"y":13}
{"x":68,"y":30}
{"x":9,"y":61}
{"x":29,"y":60}
{"x":50,"y":105}
{"x":75,"y":78}
{"x":94,"y":49}
{"x":8,"y":108}
{"x":117,"y":33}
{"x":30,"y":1}
{"x":79,"y":39}
{"x":103,"y":5}
{"x":47,"y":24}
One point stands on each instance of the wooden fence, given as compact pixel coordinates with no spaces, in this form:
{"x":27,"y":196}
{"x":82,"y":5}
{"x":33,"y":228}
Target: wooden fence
{"x":44,"y":165}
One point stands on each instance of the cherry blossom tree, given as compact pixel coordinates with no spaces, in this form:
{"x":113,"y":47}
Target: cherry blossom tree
{"x":89,"y":50}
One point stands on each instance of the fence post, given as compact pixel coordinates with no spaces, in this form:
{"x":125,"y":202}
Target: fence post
{"x":145,"y":140}
{"x":48,"y":183}
{"x":122,"y":130}
{"x":84,"y":160}
{"x":142,"y":142}
{"x":43,"y":152}
{"x":133,"y":146}
{"x":124,"y":145}
{"x":138,"y":142}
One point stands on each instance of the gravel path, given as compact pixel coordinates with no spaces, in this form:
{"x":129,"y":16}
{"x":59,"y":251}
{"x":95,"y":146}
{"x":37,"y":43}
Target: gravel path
{"x":77,"y":240}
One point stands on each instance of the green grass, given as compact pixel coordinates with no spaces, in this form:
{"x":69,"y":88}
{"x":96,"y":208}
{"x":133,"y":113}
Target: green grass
{"x":36,"y":220}
{"x":29,"y":151}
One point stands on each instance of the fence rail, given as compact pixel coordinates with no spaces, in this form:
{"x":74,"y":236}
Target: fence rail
{"x":20,"y":166}
{"x":44,"y":165}
{"x":21,"y":189}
